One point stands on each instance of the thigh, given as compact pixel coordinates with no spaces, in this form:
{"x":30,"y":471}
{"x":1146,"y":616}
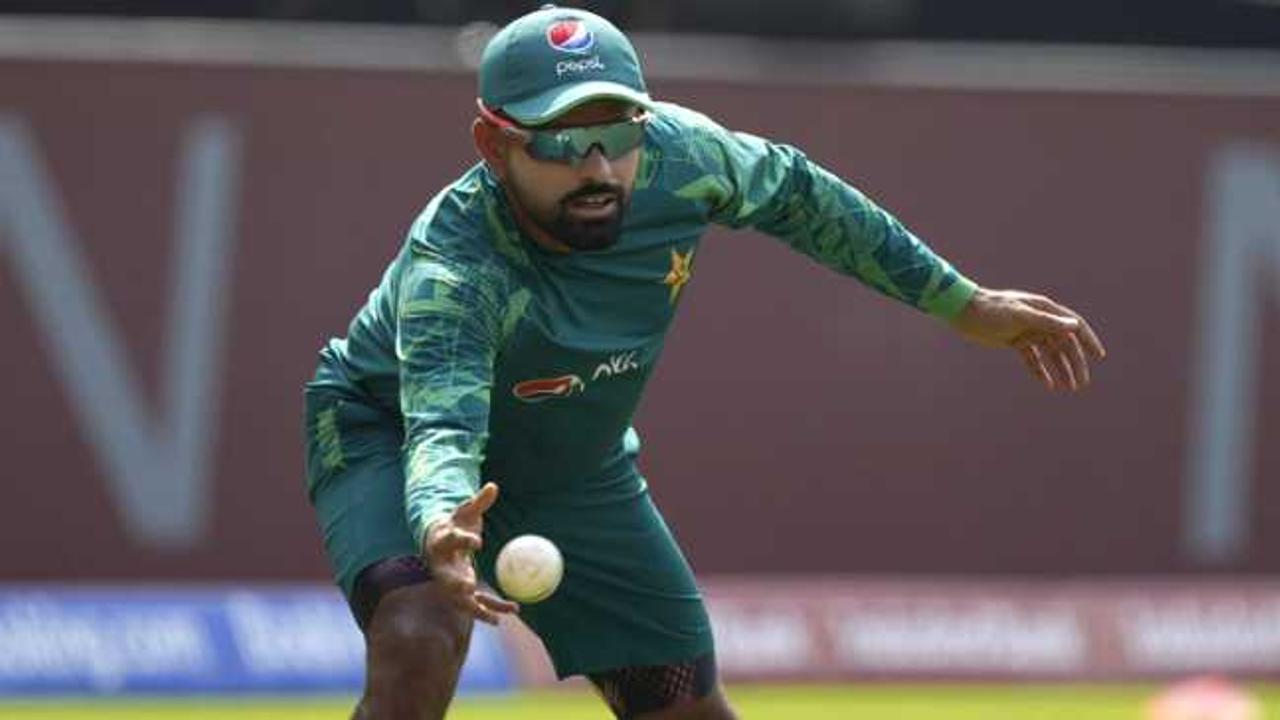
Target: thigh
{"x":687,"y":689}
{"x":628,"y":597}
{"x":356,"y":484}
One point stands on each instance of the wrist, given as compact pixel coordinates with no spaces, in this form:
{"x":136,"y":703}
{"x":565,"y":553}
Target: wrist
{"x":978,"y":299}
{"x":950,"y":303}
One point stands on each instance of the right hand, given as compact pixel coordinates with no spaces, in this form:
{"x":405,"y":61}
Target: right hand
{"x":448,"y":548}
{"x":1055,"y":342}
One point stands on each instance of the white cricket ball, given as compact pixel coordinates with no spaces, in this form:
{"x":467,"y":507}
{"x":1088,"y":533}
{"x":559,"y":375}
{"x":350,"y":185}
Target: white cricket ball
{"x":529,"y":568}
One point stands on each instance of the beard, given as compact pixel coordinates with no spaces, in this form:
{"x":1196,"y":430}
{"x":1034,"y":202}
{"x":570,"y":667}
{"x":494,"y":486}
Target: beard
{"x":583,"y":233}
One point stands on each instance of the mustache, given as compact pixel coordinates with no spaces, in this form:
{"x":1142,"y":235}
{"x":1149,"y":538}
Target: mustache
{"x":593,"y":189}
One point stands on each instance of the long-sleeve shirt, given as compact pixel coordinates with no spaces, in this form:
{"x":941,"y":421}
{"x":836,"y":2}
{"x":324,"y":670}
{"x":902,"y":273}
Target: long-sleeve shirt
{"x":507,"y":362}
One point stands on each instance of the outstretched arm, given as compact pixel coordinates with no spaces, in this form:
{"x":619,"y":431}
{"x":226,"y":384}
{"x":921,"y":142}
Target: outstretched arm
{"x":748,"y":181}
{"x":774,"y":188}
{"x":446,"y":336}
{"x":1056,"y":343}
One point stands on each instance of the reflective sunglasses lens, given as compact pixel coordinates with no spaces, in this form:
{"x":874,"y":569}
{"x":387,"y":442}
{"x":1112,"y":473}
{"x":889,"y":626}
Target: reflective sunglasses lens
{"x":549,"y":145}
{"x":573,"y":144}
{"x":618,"y":140}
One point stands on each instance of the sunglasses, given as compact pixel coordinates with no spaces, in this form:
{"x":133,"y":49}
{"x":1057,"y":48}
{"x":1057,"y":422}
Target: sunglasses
{"x":572,"y":144}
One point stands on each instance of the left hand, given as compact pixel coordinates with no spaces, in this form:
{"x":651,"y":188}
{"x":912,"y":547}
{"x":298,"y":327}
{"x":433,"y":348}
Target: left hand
{"x":1054,"y":341}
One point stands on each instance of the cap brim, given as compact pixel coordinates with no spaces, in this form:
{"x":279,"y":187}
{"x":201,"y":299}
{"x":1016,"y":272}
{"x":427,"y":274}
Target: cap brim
{"x":548,"y":106}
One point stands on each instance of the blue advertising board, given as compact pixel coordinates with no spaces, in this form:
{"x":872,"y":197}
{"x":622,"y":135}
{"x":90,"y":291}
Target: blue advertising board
{"x":162,"y":640}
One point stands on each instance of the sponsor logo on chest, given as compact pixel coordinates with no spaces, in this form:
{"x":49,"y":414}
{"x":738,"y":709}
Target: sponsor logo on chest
{"x":540,"y":389}
{"x":563,"y":386}
{"x":616,"y":365}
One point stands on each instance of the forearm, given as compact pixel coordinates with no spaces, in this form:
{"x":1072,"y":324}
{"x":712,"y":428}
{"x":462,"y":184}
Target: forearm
{"x":825,"y":218}
{"x":442,"y":470}
{"x":447,"y":334}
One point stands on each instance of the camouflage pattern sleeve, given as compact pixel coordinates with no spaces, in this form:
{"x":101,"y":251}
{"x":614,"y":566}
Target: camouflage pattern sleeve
{"x":447,"y":332}
{"x":777,"y":190}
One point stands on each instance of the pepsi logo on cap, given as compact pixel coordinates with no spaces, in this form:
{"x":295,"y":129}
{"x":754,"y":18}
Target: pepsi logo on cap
{"x":570,"y":35}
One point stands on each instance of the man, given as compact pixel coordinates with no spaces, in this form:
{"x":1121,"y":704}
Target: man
{"x":508,"y":345}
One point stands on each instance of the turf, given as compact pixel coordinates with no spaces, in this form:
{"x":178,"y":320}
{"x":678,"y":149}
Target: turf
{"x":754,"y":703}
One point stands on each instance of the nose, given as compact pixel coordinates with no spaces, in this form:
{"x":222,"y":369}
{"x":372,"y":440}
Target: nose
{"x":595,"y":166}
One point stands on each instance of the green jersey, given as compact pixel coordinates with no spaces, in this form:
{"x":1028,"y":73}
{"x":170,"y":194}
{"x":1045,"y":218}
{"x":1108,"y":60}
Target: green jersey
{"x":511,"y":363}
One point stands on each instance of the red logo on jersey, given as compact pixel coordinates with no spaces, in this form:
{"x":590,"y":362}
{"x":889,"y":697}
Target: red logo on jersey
{"x":543,"y":388}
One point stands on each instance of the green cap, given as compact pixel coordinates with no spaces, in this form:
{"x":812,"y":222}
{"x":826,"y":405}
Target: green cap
{"x":544,"y":64}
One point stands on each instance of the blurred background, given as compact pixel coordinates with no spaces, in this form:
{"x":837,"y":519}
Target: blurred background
{"x":194,"y":195}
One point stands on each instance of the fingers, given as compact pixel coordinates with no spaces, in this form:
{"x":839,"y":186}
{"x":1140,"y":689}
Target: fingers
{"x":1068,"y":353}
{"x":485,"y":607}
{"x":1057,"y":362}
{"x":1035,"y":363}
{"x":461,"y":586}
{"x":1087,"y":336}
{"x":1064,"y":375}
{"x":467,"y":598}
{"x":452,"y":539}
{"x":471,"y":511}
{"x":497,"y":604}
{"x":1074,"y":352}
{"x":1091,"y":340}
{"x":481,"y":613}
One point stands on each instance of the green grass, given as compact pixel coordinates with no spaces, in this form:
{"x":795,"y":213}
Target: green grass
{"x":907,"y":702}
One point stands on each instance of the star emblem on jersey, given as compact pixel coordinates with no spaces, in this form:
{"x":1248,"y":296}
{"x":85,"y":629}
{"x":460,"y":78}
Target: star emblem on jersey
{"x":680,"y":273}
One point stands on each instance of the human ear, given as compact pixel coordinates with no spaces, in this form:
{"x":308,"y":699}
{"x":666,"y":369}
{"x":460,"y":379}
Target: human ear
{"x":489,"y":146}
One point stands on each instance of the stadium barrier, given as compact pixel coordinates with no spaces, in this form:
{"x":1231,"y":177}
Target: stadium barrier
{"x":813,"y":629}
{"x":208,"y":640}
{"x":300,"y":639}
